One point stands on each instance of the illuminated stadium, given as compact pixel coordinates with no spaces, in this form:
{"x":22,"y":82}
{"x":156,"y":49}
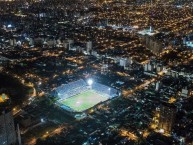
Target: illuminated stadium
{"x":80,"y":96}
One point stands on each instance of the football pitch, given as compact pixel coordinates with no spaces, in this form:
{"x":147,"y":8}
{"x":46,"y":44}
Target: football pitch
{"x":84,"y":100}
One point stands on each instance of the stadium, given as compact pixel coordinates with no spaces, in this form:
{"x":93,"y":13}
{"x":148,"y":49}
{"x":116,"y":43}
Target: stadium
{"x":79,"y":96}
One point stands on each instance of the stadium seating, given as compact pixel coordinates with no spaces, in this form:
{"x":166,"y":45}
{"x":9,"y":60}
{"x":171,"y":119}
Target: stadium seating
{"x":104,"y":89}
{"x":74,"y":88}
{"x":71,"y":89}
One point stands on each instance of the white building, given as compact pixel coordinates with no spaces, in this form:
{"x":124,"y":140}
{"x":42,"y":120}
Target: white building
{"x":31,"y":41}
{"x":70,"y":43}
{"x":13,"y":42}
{"x":157,"y":86}
{"x":149,"y":67}
{"x":123,"y":62}
{"x":89,"y":46}
{"x":185,"y":92}
{"x":188,"y":41}
{"x":65,"y":44}
{"x":94,"y":53}
{"x":104,"y":68}
{"x":159,"y":68}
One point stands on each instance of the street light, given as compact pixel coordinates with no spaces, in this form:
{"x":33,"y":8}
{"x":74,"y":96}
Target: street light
{"x":161,"y":131}
{"x":39,"y":83}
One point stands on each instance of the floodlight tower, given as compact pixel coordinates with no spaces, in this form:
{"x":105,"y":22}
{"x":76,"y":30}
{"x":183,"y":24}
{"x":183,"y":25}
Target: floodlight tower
{"x":109,"y":91}
{"x":90,"y":82}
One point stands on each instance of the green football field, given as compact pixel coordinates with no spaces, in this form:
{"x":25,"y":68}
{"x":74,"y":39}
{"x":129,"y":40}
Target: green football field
{"x":84,"y":101}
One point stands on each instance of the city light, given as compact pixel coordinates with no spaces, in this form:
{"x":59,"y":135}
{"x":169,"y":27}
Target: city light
{"x":96,"y":71}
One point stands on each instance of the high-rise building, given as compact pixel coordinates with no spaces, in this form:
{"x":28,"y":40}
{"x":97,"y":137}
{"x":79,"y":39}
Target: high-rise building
{"x":104,"y":68}
{"x":7,"y":128}
{"x":89,"y":46}
{"x":13,"y":42}
{"x":157,"y":86}
{"x":167,"y":117}
{"x":70,"y":43}
{"x":188,"y":41}
{"x":123,"y":62}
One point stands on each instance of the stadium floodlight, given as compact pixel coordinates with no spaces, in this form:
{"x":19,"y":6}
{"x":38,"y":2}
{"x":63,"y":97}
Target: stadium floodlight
{"x":109,"y":90}
{"x":42,"y":120}
{"x":9,"y":26}
{"x":90,"y":82}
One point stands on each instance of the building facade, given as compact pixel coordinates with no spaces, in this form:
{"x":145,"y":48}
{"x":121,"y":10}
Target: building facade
{"x":7,"y":129}
{"x":167,"y":117}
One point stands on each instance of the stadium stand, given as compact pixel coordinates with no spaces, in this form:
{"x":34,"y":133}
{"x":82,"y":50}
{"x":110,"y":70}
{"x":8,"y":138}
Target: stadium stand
{"x":104,"y":89}
{"x":71,"y":89}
